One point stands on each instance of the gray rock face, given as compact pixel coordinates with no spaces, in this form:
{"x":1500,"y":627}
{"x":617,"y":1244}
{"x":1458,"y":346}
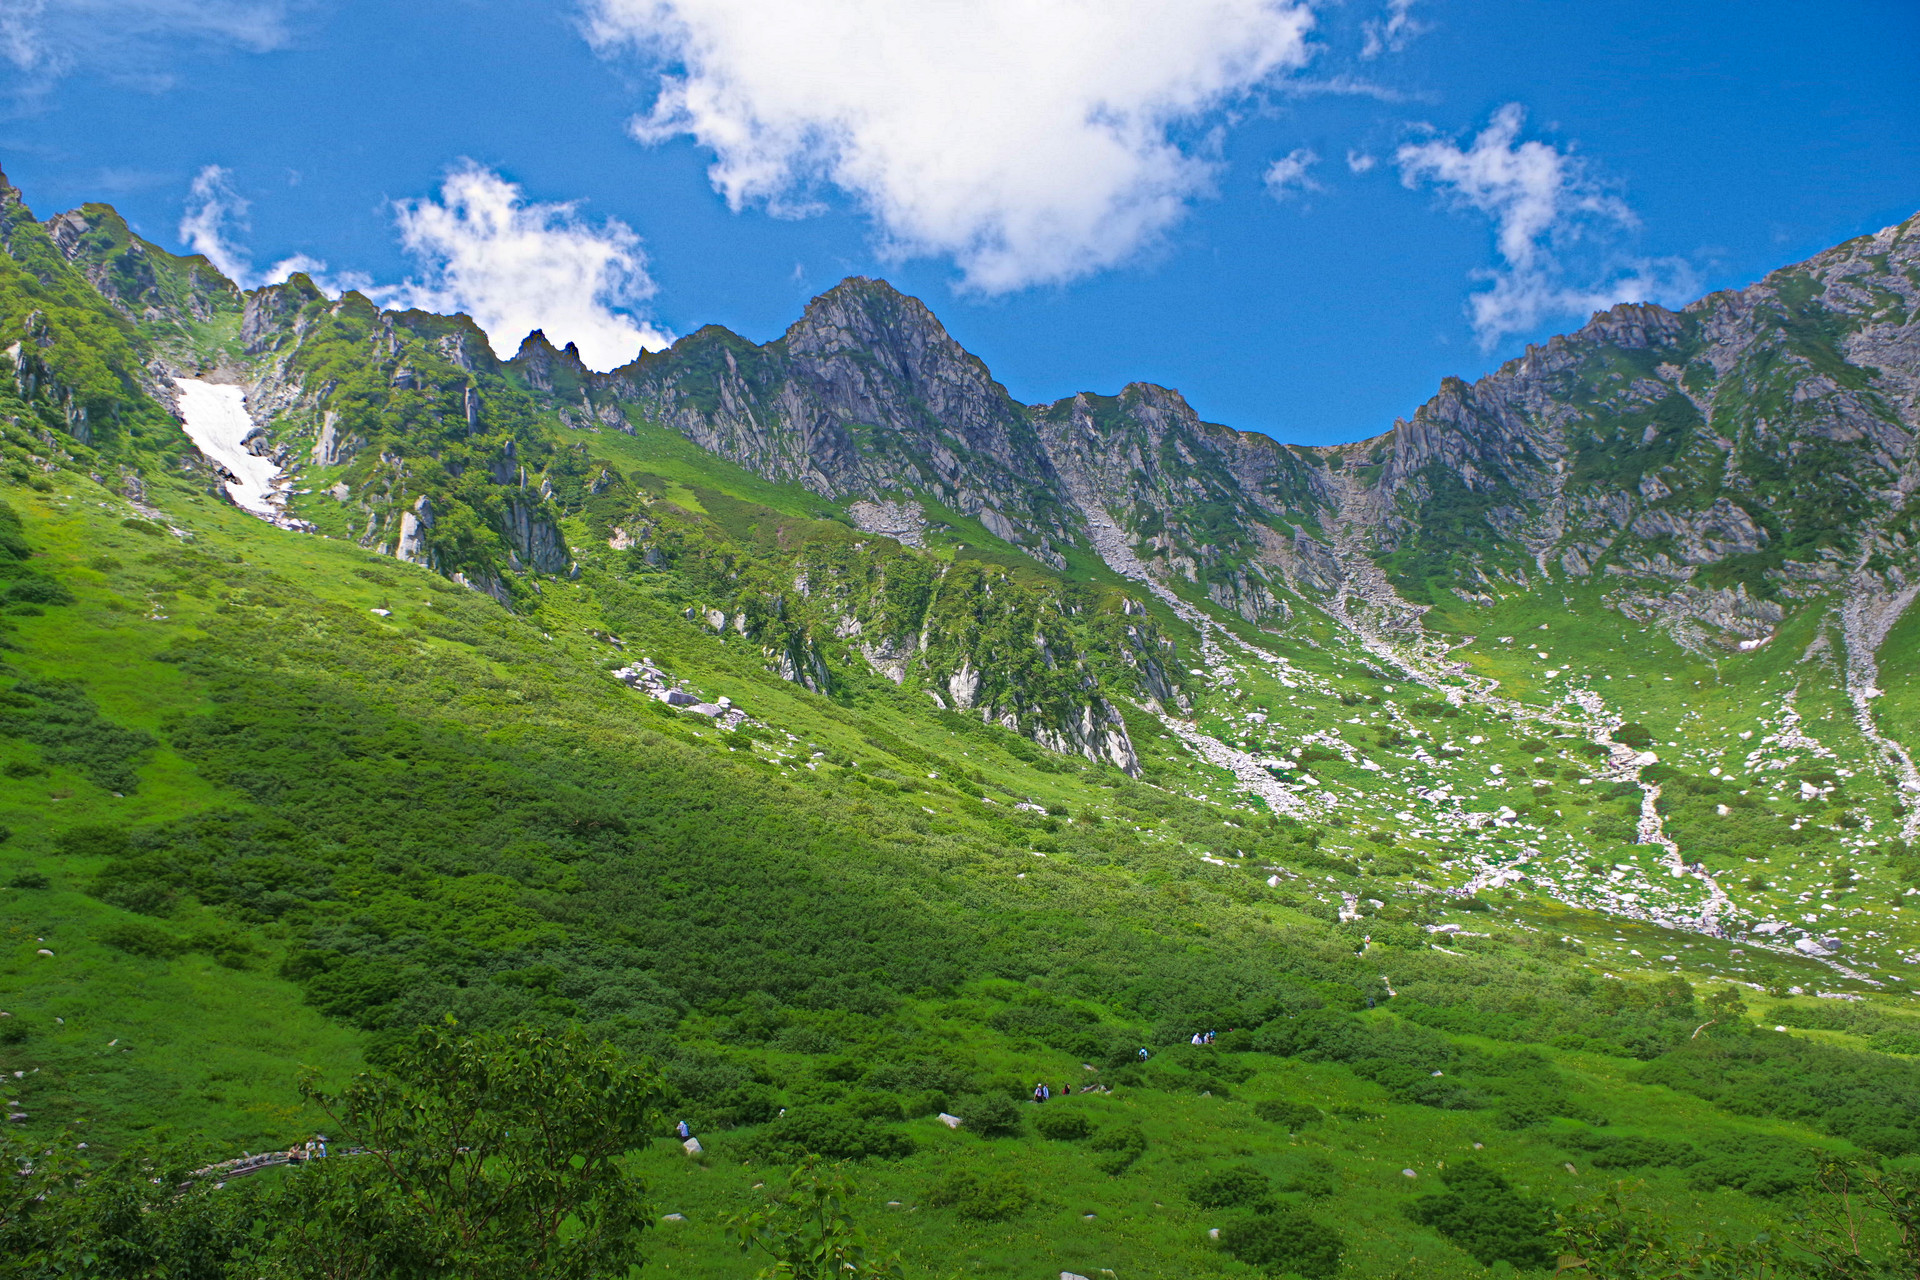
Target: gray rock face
{"x":865,"y":394}
{"x":415,"y":524}
{"x":532,"y":536}
{"x":1771,"y":429}
{"x":904,"y":522}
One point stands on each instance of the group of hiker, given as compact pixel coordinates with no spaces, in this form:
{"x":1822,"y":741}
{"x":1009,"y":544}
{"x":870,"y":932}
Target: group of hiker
{"x":314,"y":1149}
{"x":1043,"y":1091}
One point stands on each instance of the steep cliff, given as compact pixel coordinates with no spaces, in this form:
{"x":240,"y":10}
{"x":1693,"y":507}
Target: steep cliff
{"x":1716,"y":464}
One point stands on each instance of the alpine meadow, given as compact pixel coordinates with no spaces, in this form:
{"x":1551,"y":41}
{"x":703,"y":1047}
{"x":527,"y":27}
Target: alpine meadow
{"x":791,"y":809}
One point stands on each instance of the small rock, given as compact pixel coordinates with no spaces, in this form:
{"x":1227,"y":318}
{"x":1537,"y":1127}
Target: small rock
{"x":952,"y":1122}
{"x":675,"y":1217}
{"x":44,"y":952}
{"x":1570,"y":1169}
{"x":1408,"y":1173}
{"x":384,"y":613}
{"x":691,"y":1146}
{"x":1213,"y":1233}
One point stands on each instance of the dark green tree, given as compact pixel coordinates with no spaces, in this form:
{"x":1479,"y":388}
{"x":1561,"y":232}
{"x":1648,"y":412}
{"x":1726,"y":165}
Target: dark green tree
{"x":141,"y":1216}
{"x":484,"y":1156}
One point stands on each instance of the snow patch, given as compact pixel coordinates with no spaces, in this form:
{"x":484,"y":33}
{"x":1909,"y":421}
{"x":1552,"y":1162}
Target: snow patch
{"x":216,"y":420}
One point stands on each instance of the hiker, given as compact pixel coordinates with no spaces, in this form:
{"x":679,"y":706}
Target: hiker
{"x":1040,"y":1093}
{"x":1143,"y":1055}
{"x":683,"y":1130}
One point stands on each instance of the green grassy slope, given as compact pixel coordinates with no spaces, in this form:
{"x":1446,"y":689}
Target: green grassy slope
{"x":344,"y":823}
{"x":271,"y":801}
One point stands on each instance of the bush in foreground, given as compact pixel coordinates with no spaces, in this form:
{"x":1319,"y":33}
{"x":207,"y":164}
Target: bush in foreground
{"x":1285,"y":1241}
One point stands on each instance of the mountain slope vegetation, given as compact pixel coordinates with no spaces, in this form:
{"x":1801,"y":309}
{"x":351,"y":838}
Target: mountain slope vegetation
{"x":857,"y":748}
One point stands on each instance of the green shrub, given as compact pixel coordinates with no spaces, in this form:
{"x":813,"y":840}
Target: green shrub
{"x":1634,"y":1152}
{"x":59,"y":718}
{"x":38,"y":589}
{"x":1119,"y":1148}
{"x":869,"y":1105}
{"x":227,"y":947}
{"x":143,"y":938}
{"x":1757,"y":1165}
{"x":29,"y":880}
{"x":1062,"y":1125}
{"x":833,"y":1132}
{"x":1294,"y":1115}
{"x":1229,"y":1188}
{"x":1614,"y":828}
{"x":1482,"y":1214}
{"x":991,"y":1115}
{"x":1285,"y":1242}
{"x":981,"y":1195}
{"x":1634,"y":735}
{"x":1895,"y":1041}
{"x":1315,"y":1176}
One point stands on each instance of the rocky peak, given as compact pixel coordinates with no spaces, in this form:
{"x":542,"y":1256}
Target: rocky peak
{"x":873,"y":318}
{"x":271,"y":308}
{"x":546,"y":369}
{"x":1634,"y":326}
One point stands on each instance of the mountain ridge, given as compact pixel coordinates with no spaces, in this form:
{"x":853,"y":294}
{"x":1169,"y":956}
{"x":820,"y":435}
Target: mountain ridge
{"x":1716,"y":465}
{"x":855,"y":746}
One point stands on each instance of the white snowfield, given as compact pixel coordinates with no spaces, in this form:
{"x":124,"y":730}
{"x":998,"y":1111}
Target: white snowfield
{"x":216,"y":420}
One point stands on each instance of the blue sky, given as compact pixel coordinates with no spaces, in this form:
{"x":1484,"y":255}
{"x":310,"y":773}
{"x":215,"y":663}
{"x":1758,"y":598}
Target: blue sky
{"x":1302,"y":216}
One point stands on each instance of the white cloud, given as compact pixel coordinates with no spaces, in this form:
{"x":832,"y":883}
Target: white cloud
{"x":1543,"y":204}
{"x":1392,"y":33}
{"x":214,"y":213}
{"x":1288,"y":176}
{"x":1360,"y":162}
{"x":44,"y":39}
{"x":1032,"y":141}
{"x":513,"y":265}
{"x":516,"y":266}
